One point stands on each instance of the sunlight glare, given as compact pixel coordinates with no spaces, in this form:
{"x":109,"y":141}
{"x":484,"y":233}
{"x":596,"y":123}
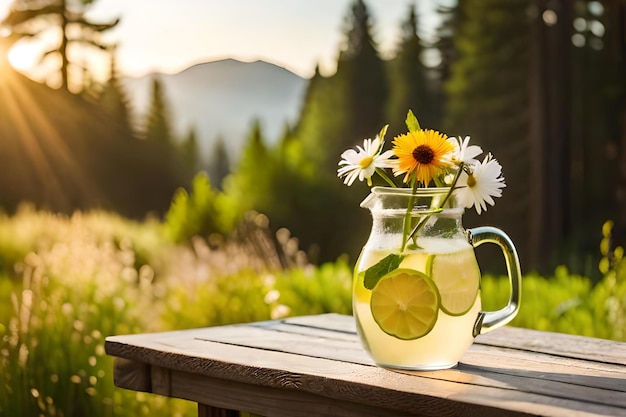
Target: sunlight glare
{"x":4,"y":8}
{"x":21,"y":58}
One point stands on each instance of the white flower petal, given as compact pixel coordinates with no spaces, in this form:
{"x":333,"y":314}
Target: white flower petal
{"x":384,"y":160}
{"x":463,"y":151}
{"x":350,"y":157}
{"x":487,"y":183}
{"x":351,"y":165}
{"x":374,"y":145}
{"x":351,"y":177}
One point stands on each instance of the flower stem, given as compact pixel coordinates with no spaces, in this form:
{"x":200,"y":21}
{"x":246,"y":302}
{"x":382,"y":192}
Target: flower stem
{"x":443,"y":203}
{"x":385,"y":177}
{"x":407,"y":216}
{"x":453,"y":185}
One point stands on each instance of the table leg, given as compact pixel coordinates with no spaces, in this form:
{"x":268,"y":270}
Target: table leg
{"x":209,"y":411}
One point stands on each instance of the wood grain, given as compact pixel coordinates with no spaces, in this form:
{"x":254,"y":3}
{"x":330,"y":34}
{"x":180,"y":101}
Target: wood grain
{"x":133,"y":375}
{"x":315,"y":365}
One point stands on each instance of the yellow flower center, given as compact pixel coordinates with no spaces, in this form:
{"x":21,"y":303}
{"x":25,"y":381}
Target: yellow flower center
{"x":365,"y":162}
{"x":423,"y":154}
{"x":471,"y":181}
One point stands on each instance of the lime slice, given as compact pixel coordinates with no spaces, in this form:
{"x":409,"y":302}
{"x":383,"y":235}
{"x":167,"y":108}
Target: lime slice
{"x":405,"y":304}
{"x":457,"y":278}
{"x":420,"y":261}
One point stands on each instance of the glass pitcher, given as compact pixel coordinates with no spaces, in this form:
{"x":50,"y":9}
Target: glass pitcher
{"x":416,"y":291}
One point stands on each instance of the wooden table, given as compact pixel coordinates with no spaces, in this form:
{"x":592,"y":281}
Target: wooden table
{"x":315,"y":366}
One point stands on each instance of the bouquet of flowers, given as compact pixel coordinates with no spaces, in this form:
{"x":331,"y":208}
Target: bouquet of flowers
{"x":427,"y":158}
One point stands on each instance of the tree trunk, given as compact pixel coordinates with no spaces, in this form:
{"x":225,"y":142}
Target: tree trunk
{"x":65,"y":63}
{"x":549,"y":140}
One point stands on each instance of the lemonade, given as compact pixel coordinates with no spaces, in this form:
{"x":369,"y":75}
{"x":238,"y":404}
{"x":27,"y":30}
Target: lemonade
{"x":420,"y":312}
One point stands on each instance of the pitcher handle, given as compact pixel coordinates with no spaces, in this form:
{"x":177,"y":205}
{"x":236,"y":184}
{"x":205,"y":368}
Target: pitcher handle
{"x":489,"y":320}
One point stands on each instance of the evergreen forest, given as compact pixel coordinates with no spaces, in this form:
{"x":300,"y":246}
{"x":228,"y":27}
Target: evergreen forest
{"x":111,"y":224}
{"x":540,"y":84}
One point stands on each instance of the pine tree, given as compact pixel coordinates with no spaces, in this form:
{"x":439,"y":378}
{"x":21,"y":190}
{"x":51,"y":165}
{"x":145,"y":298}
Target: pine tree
{"x":361,"y":74}
{"x":348,"y":106}
{"x":615,"y":102}
{"x":114,"y":99}
{"x":451,"y":17}
{"x":339,"y":111}
{"x":248,"y":187}
{"x":26,"y":17}
{"x":488,"y":100}
{"x":189,"y":151}
{"x":413,"y":85}
{"x":550,"y":111}
{"x":219,"y":165}
{"x":596,"y":101}
{"x":322,"y":125}
{"x":158,"y":126}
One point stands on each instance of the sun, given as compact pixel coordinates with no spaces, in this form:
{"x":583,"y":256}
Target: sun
{"x":21,"y":58}
{"x":20,"y":55}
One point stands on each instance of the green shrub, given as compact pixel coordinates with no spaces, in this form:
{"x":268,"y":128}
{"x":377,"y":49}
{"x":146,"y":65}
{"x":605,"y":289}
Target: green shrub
{"x":193,"y":213}
{"x":95,"y":274}
{"x":33,"y":231}
{"x":311,"y":290}
{"x":67,"y":293}
{"x":570,"y":303}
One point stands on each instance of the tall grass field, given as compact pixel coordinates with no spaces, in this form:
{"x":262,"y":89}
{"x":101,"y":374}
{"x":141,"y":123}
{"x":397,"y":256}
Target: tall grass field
{"x":67,"y":282}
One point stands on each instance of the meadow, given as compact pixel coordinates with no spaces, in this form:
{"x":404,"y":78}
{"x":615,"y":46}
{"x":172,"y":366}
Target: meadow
{"x":67,"y":282}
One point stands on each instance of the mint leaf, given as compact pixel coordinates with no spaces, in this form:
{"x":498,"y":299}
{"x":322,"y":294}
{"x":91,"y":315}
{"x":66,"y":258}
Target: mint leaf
{"x":374,"y":273}
{"x":411,"y":122}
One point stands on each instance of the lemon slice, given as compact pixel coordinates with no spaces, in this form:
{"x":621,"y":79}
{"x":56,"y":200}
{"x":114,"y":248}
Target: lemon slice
{"x":418,"y":261}
{"x":457,"y":278}
{"x":405,"y":304}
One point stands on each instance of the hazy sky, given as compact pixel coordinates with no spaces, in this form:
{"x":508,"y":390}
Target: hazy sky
{"x":168,"y":35}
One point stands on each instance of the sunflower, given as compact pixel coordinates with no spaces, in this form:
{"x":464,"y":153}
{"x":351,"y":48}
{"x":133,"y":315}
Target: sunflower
{"x":425,"y":152}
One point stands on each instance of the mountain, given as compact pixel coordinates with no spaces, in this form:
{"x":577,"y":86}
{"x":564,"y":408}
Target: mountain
{"x":222,"y":98}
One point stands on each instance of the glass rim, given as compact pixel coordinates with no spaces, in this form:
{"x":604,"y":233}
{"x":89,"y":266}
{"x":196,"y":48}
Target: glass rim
{"x":421,"y":195}
{"x":401,"y":191}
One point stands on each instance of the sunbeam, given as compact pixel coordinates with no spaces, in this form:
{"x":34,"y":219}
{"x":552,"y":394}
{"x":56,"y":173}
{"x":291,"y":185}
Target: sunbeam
{"x":48,"y":163}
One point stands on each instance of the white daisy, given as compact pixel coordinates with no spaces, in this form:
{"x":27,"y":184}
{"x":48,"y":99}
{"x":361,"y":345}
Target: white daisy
{"x":363,"y":162}
{"x":464,"y":152}
{"x":484,"y":182}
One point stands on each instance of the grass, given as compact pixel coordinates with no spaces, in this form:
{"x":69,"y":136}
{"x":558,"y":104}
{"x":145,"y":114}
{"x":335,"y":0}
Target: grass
{"x":68,"y":282}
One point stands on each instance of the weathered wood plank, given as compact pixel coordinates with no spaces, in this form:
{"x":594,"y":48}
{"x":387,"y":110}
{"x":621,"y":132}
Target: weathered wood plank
{"x":290,"y":328}
{"x":160,"y":380}
{"x":510,"y":370}
{"x":304,"y":342}
{"x":558,"y":344}
{"x":322,"y":376}
{"x":588,"y":373}
{"x":599,"y":375}
{"x":260,"y":399}
{"x":269,"y":402}
{"x":545,"y":383}
{"x":133,"y":375}
{"x":331,"y":321}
